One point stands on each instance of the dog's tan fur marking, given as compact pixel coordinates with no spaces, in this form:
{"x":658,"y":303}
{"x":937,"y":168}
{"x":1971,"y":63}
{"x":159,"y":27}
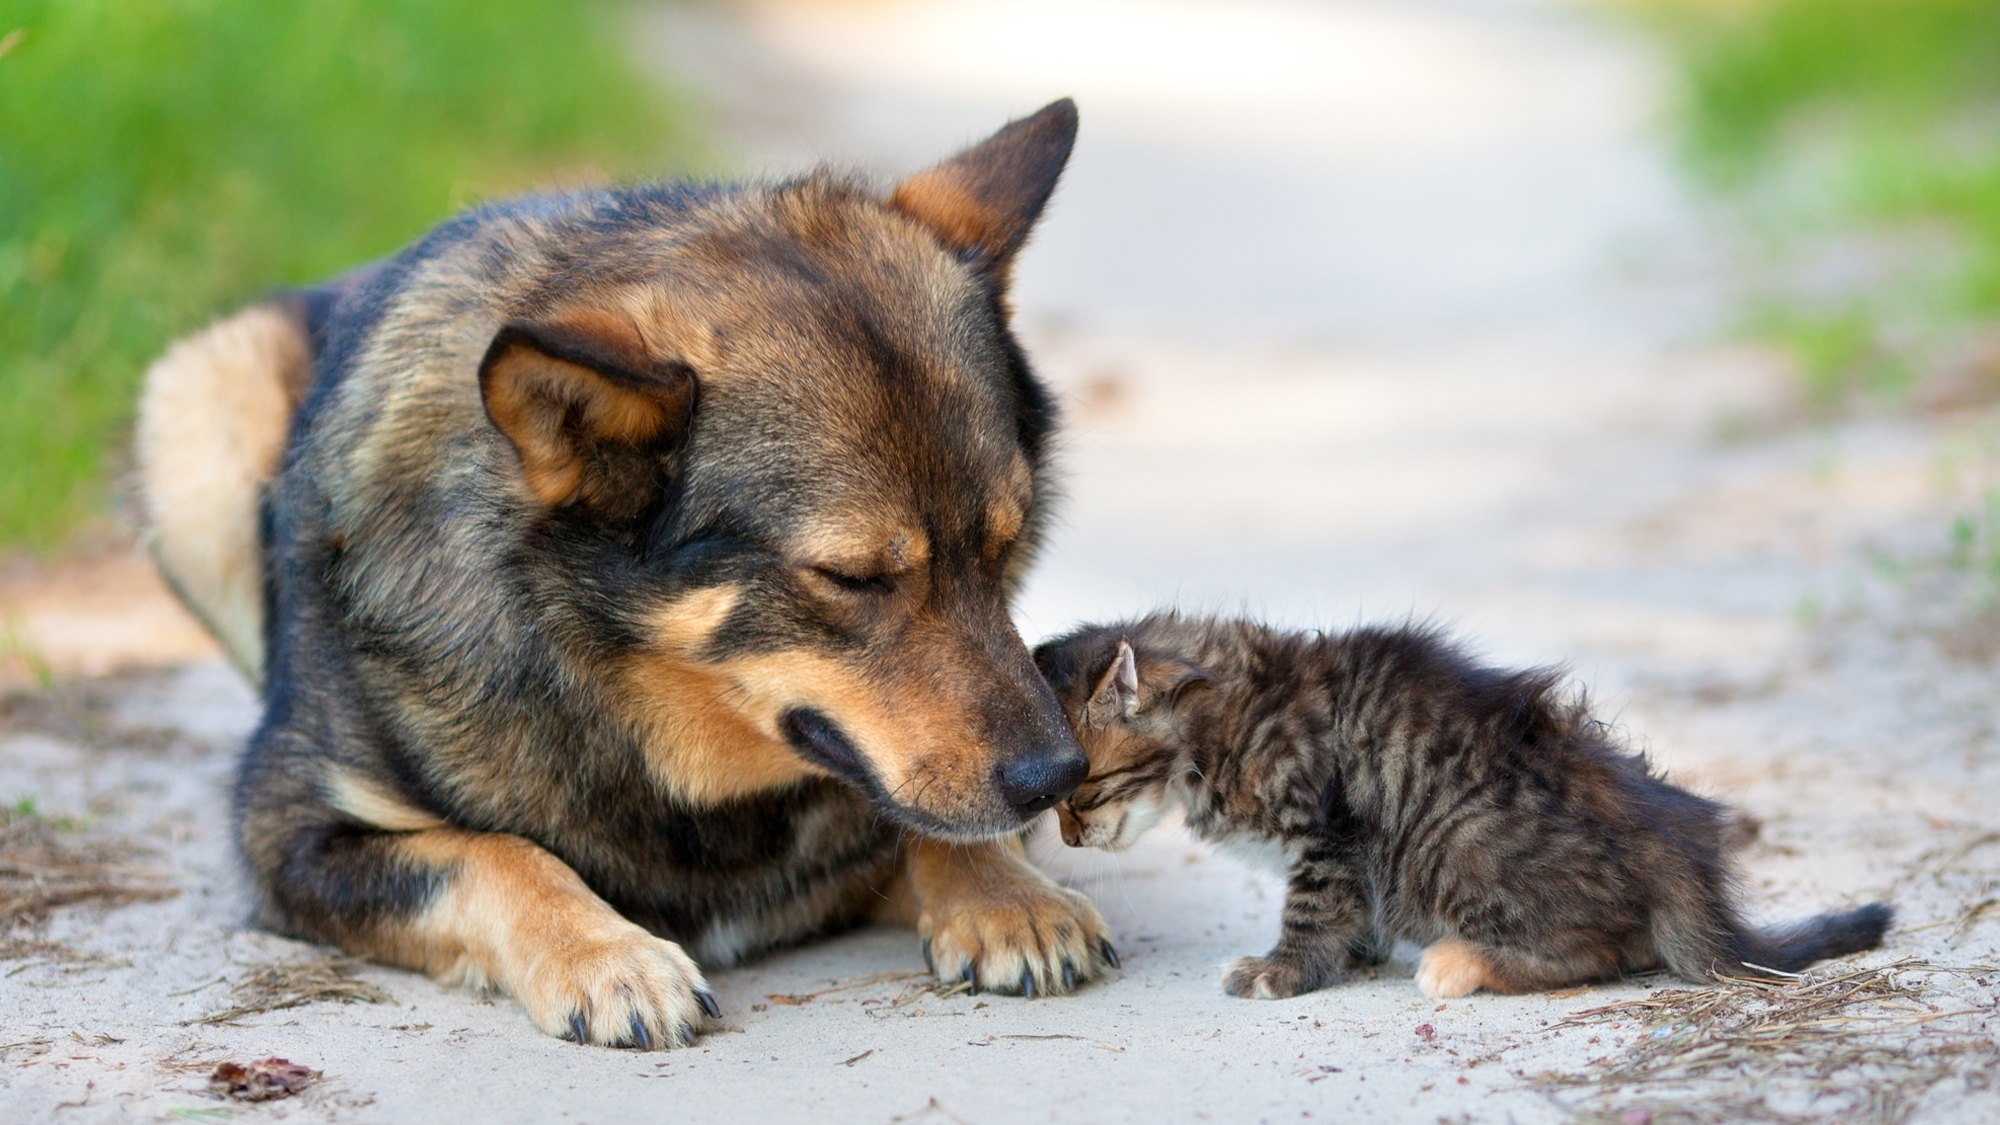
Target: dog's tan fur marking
{"x":863,"y":544}
{"x":700,"y":742}
{"x":1453,"y":968}
{"x":709,"y":739}
{"x":1003,"y":525}
{"x":512,"y":916}
{"x":614,"y":327}
{"x":984,"y":904}
{"x":212,"y":423}
{"x":942,"y":200}
{"x":686,"y":625}
{"x":371,"y":804}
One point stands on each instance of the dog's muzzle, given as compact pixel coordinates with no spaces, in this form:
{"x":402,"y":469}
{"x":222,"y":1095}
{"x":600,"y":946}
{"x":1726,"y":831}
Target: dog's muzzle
{"x":1026,"y":783}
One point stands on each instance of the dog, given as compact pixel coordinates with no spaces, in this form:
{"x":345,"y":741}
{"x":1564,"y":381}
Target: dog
{"x":627,"y":577}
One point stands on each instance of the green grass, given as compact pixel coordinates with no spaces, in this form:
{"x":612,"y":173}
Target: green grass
{"x":1871,"y":116}
{"x":1838,"y":352}
{"x":163,"y":160}
{"x":1754,"y":65}
{"x":1975,"y":541}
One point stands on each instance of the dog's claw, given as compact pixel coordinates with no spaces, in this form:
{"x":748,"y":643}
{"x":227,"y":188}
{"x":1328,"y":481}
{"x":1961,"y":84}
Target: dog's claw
{"x":928,"y":964}
{"x":687,"y":1035}
{"x":1028,"y":984}
{"x":967,"y":974}
{"x":578,"y":1030}
{"x":708,"y":1004}
{"x":1069,"y":976}
{"x":1110,"y":954}
{"x":641,"y":1038}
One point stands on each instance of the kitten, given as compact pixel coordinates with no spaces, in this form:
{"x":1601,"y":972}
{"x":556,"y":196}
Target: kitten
{"x":1415,"y":795}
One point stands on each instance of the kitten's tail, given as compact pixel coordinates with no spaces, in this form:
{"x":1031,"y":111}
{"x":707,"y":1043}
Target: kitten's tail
{"x":1791,"y":948}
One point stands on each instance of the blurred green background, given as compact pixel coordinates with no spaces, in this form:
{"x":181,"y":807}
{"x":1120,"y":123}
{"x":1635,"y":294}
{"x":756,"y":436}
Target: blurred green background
{"x":1871,"y":125}
{"x":163,"y":160}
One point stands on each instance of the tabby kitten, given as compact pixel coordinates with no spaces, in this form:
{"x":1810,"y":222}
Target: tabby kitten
{"x":1416,"y":795}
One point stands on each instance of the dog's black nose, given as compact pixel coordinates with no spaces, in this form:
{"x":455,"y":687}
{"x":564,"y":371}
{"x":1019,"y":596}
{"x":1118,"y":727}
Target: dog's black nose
{"x":1035,"y":782}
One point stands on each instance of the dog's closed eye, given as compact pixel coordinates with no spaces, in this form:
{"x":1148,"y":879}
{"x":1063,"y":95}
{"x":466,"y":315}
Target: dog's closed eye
{"x":856,"y":583}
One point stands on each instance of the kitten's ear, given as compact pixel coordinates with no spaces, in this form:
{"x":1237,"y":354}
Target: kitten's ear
{"x":1117,"y":694}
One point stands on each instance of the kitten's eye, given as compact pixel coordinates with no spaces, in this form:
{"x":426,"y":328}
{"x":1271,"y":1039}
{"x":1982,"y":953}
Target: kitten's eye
{"x":857,"y":584}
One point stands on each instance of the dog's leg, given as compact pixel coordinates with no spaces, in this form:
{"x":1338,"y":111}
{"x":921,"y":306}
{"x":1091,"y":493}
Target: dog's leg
{"x":988,"y":916}
{"x":488,"y":909}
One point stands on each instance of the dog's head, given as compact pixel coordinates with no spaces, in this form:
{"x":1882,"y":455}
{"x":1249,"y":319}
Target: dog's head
{"x":1118,"y":688}
{"x":788,"y":462}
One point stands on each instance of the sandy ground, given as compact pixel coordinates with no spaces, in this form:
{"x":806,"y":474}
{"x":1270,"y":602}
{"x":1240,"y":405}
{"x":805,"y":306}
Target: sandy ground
{"x":1364,"y":310}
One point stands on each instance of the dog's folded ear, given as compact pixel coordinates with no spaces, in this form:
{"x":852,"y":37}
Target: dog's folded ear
{"x":982,"y":202}
{"x":591,"y":413}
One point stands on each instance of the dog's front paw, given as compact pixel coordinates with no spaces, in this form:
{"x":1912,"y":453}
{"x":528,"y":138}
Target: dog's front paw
{"x":1036,"y":939}
{"x":617,"y":987}
{"x":1273,"y":977}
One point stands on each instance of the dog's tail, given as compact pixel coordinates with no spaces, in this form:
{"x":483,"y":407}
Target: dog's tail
{"x":1789,"y":949}
{"x":213,"y":421}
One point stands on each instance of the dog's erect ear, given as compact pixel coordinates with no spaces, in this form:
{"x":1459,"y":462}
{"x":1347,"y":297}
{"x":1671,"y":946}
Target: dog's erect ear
{"x":590,"y":412}
{"x":981,"y":202}
{"x":1117,"y":694}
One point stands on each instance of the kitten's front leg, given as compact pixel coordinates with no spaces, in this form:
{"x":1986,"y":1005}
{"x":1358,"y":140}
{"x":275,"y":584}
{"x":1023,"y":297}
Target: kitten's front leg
{"x":1326,"y":913}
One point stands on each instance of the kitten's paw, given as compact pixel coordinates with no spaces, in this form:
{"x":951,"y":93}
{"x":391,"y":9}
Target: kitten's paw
{"x":1452,"y":968}
{"x":1273,"y":977}
{"x":1032,"y":938}
{"x":617,"y":987}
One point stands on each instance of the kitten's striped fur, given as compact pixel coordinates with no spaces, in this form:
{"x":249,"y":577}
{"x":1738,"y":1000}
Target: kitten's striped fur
{"x":1417,"y":796}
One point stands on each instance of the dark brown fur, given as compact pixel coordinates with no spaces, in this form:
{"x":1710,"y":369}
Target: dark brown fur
{"x":637,"y":584}
{"x":1416,"y":796}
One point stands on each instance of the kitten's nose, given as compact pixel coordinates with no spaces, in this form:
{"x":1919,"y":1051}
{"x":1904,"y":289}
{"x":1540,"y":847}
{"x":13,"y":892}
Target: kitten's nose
{"x":1072,"y":828}
{"x":1035,"y":782}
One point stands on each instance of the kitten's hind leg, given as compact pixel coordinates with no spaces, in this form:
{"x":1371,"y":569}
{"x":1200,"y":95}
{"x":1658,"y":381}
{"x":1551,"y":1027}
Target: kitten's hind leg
{"x":1452,"y":968}
{"x":1370,"y":949}
{"x":1455,"y":967}
{"x":1326,"y":913}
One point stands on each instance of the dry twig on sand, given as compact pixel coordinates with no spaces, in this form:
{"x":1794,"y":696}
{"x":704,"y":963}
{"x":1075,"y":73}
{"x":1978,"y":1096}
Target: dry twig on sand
{"x":294,"y":984}
{"x":916,"y":986}
{"x":923,"y":984}
{"x":84,"y":712}
{"x":1845,"y":1043}
{"x":46,"y":864}
{"x":794,"y":999}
